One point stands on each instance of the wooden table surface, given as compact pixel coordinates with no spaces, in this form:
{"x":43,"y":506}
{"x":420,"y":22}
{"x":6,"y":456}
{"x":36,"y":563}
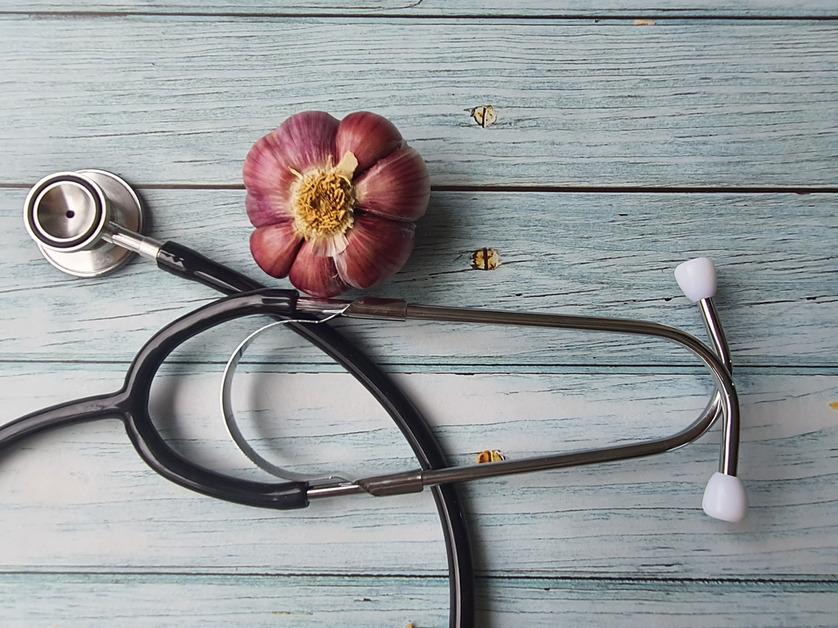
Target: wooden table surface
{"x":620,"y":149}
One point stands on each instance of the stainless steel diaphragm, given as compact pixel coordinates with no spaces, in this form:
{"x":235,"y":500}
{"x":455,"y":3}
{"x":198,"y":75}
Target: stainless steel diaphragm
{"x":72,"y":215}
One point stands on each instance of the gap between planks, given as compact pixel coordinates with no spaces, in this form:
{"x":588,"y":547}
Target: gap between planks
{"x":519,"y":17}
{"x":774,"y":579}
{"x":448,"y":368}
{"x":523,"y":189}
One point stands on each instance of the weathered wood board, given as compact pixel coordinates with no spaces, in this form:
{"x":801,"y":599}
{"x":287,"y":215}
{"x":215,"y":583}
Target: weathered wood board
{"x":638,"y":517}
{"x":134,"y":600}
{"x":620,"y":149}
{"x":433,"y":8}
{"x":180,"y":100}
{"x":571,"y":253}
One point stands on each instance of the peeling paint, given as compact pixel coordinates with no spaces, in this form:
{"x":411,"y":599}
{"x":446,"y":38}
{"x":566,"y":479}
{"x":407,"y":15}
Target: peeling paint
{"x":490,"y":455}
{"x":484,"y":115}
{"x":834,"y":405}
{"x":644,"y":22}
{"x":485,"y":259}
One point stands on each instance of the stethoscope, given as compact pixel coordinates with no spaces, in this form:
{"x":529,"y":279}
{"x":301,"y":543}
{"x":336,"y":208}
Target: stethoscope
{"x":87,"y":223}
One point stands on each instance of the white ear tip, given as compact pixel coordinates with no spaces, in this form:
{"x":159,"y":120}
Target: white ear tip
{"x":697,"y":278}
{"x":725,"y":498}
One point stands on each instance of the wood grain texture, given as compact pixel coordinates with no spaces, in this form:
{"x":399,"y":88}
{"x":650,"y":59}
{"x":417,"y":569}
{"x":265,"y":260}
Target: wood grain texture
{"x":180,"y":100}
{"x":610,"y":254}
{"x":80,"y":498}
{"x":181,"y":601}
{"x":90,"y":536}
{"x":413,"y":8}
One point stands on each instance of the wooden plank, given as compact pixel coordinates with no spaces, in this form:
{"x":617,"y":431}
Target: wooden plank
{"x":423,"y":8}
{"x":100,"y":599}
{"x":174,"y":100}
{"x":610,"y":254}
{"x":80,"y":498}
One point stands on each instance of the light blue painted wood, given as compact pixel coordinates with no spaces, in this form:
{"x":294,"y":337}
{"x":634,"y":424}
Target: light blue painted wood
{"x":423,"y":8}
{"x":181,"y":601}
{"x":586,"y":253}
{"x":180,"y":100}
{"x":80,"y":498}
{"x":174,"y":101}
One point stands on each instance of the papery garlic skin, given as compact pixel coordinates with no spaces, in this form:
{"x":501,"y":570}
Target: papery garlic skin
{"x":334,"y":203}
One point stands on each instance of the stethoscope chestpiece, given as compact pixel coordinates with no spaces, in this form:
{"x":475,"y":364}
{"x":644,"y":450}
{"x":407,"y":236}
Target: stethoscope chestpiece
{"x":71,"y":215}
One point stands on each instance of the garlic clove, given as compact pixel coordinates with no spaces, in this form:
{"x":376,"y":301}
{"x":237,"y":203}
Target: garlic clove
{"x":369,"y":136}
{"x":307,"y":140}
{"x":397,"y":187}
{"x":266,"y":209}
{"x":268,"y":178}
{"x":275,"y":247}
{"x":330,"y":246}
{"x":376,"y":250}
{"x":315,"y":274}
{"x":304,"y":141}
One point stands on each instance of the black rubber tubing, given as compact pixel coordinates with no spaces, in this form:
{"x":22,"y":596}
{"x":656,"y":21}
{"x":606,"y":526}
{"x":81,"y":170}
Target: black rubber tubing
{"x":185,"y":262}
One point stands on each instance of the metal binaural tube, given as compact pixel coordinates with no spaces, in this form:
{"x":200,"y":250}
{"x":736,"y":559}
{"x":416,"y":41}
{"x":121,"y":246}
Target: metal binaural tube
{"x":713,"y":325}
{"x":729,"y":452}
{"x":724,"y":402}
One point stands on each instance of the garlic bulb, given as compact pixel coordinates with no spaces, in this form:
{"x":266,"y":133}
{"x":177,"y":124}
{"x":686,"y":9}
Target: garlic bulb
{"x":333,"y":202}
